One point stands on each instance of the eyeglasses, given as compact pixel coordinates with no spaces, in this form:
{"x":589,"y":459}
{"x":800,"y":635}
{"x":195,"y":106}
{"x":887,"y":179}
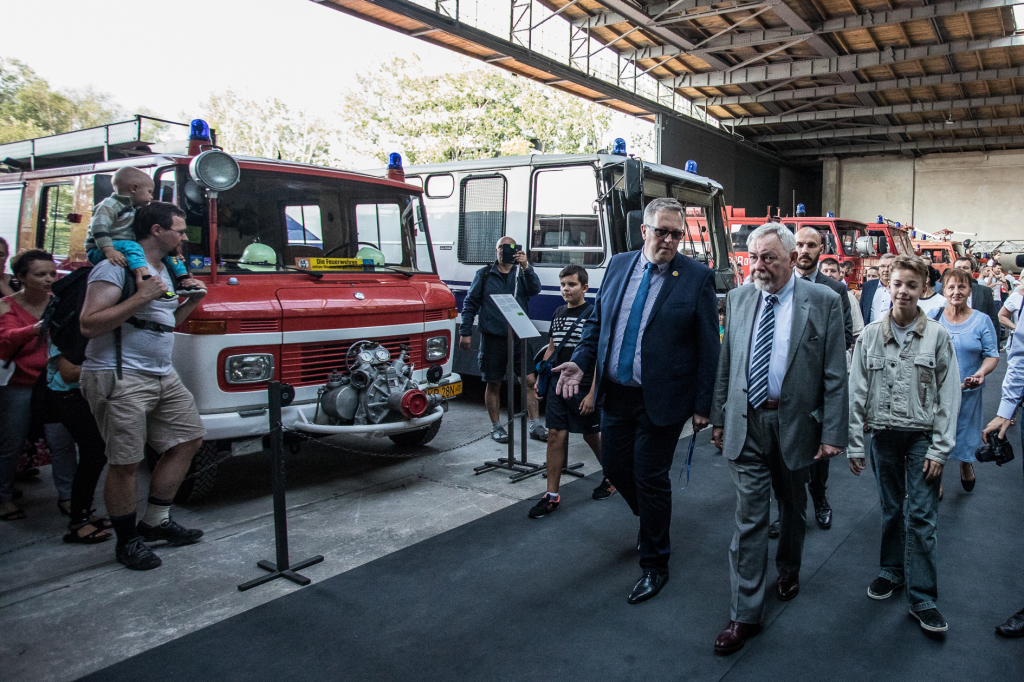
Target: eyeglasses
{"x":661,"y":233}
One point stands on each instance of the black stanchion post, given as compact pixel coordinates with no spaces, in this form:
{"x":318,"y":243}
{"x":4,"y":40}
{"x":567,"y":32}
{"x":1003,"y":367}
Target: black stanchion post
{"x":282,"y":569}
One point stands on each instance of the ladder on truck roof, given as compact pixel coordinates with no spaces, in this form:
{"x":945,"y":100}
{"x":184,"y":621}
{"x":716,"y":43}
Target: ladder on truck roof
{"x":89,"y":145}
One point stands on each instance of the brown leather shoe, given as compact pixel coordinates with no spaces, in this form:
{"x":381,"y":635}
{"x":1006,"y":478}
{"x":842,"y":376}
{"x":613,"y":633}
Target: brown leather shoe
{"x":787,"y":587}
{"x":734,"y":636}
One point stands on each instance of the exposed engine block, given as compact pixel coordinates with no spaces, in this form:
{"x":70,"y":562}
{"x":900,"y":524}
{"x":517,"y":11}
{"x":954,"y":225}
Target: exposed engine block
{"x":376,"y":390}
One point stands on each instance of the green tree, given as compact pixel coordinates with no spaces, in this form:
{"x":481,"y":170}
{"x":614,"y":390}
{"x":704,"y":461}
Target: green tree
{"x":29,"y":107}
{"x":270,"y":129}
{"x":474,"y":114}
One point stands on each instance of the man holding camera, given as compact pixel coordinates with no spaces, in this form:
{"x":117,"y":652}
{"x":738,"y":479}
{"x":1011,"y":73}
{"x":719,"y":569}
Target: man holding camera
{"x":1013,"y":387}
{"x":501,"y":277}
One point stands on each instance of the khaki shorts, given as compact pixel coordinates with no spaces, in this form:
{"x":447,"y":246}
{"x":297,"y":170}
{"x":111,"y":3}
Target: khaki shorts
{"x":140,"y":409}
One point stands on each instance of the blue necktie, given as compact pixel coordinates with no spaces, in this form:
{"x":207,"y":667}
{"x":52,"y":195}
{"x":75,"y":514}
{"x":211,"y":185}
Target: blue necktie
{"x":628,"y":350}
{"x":758,"y":389}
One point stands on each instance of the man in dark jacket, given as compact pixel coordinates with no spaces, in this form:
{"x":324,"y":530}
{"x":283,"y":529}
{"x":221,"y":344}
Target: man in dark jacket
{"x":500,"y":278}
{"x":808,"y":250}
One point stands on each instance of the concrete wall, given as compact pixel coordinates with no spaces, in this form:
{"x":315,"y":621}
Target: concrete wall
{"x":973,"y":192}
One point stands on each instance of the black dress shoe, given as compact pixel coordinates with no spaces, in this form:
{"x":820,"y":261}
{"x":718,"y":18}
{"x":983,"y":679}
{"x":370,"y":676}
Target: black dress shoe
{"x":787,"y":587}
{"x":823,"y":513}
{"x":650,"y":584}
{"x":773,"y":530}
{"x":1013,"y":627}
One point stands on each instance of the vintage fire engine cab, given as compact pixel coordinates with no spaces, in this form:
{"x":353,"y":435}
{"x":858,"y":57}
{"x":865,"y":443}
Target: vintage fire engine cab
{"x":844,"y":240}
{"x":319,"y":278}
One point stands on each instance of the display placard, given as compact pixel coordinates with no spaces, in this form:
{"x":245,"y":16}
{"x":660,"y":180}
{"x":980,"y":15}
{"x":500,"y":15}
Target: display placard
{"x":520,"y":321}
{"x":333,"y":263}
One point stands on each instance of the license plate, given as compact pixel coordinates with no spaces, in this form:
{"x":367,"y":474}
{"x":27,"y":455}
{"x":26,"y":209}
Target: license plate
{"x":446,"y":390}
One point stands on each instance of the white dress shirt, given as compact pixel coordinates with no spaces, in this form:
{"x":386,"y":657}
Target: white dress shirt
{"x":880,"y":304}
{"x":780,"y":342}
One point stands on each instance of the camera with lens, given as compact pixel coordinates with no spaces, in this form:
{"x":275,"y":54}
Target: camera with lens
{"x":995,"y":450}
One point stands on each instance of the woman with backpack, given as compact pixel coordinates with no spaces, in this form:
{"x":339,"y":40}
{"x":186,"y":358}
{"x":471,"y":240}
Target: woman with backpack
{"x":22,"y":359}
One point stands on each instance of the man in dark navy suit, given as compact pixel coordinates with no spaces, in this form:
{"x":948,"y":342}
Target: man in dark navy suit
{"x":654,"y":338}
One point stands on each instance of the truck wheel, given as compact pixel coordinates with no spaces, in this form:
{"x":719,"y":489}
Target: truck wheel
{"x":422,"y":436}
{"x":200,"y":487}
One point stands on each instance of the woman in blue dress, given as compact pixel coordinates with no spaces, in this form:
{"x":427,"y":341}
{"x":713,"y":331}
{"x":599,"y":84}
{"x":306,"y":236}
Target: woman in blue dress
{"x":977,"y":354}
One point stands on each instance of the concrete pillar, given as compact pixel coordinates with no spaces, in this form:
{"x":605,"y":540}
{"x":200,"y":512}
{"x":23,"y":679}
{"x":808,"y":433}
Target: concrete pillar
{"x":830,"y":186}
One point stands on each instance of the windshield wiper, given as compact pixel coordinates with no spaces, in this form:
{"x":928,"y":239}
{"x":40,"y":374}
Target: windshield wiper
{"x":241,"y":265}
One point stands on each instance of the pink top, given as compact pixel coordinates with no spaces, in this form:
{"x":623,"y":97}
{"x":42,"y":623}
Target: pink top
{"x":17,"y":335}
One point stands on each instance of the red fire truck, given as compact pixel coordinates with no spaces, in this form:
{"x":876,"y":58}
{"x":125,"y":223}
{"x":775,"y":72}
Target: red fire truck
{"x":844,"y":240}
{"x":319,"y":278}
{"x":888,"y":236}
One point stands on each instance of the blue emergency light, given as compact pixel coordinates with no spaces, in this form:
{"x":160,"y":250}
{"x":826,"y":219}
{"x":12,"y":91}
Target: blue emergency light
{"x":880,"y":220}
{"x":199,"y":130}
{"x":800,"y":208}
{"x":691,"y":166}
{"x":394,"y":161}
{"x":830,"y":215}
{"x":897,"y":225}
{"x":619,"y":146}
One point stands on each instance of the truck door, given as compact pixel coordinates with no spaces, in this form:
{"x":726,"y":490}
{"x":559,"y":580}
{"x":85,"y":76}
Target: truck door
{"x":10,"y":212}
{"x":53,"y":228}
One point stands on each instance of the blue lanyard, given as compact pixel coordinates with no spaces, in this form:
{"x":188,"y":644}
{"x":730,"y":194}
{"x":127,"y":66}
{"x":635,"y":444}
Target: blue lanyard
{"x":689,"y":459}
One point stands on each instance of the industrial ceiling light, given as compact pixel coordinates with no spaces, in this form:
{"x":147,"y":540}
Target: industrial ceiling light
{"x":949,"y":119}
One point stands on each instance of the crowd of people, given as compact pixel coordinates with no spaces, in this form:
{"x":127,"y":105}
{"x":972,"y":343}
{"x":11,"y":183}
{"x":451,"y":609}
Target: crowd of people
{"x":103,"y":409}
{"x":798,"y":370}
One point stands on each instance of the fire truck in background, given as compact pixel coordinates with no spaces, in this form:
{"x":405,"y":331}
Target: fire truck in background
{"x":888,"y":236}
{"x":942,"y":251}
{"x":319,"y":278}
{"x":844,"y":240}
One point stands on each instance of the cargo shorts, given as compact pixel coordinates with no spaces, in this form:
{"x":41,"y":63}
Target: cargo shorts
{"x":139,"y":409}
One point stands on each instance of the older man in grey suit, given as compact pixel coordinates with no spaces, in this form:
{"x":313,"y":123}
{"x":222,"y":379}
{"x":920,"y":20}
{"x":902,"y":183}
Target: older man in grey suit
{"x":780,"y":404}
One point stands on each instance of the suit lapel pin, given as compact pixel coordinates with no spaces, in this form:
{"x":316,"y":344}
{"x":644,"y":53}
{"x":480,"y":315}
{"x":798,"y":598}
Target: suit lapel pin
{"x":675,"y":273}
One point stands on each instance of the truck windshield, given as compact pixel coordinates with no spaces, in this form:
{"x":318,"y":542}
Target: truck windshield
{"x":278,"y":222}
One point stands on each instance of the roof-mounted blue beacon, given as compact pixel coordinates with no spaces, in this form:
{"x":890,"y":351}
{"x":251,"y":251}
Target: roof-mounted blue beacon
{"x":619,"y":147}
{"x":691,"y":166}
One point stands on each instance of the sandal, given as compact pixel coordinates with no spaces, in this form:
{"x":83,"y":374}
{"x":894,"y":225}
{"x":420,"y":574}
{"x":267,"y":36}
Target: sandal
{"x":64,"y":507}
{"x":96,"y":536}
{"x":100,"y":521}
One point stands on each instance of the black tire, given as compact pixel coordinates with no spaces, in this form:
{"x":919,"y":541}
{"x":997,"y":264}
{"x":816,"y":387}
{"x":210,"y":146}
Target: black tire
{"x":194,"y":489}
{"x":422,"y":436}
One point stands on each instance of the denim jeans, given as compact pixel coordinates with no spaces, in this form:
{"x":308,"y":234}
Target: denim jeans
{"x":910,"y":509}
{"x":15,"y":416}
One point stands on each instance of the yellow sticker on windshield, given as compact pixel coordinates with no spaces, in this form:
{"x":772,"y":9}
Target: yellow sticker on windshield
{"x":333,"y":263}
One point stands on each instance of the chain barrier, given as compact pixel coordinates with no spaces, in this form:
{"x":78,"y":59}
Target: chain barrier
{"x":305,"y":436}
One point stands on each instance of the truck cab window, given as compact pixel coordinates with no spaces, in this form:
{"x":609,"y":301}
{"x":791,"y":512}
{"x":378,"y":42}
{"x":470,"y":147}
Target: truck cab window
{"x":381,"y":226}
{"x":481,"y":218}
{"x":303,"y":224}
{"x":566,"y":229}
{"x":53,"y":230}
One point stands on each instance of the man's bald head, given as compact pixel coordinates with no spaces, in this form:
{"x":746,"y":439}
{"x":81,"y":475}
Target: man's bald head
{"x":808,"y":249}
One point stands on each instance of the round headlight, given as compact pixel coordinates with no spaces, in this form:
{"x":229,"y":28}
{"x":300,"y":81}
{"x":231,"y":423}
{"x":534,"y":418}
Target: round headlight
{"x":215,"y":170}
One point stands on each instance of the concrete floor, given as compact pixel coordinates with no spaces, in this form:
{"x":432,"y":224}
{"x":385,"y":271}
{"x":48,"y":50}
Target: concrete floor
{"x":67,"y":610}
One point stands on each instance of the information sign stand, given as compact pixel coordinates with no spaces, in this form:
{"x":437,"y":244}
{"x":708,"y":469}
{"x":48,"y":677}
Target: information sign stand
{"x":519,"y":325}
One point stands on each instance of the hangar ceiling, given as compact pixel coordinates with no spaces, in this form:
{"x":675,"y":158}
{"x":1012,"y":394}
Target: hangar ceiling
{"x":803,"y":79}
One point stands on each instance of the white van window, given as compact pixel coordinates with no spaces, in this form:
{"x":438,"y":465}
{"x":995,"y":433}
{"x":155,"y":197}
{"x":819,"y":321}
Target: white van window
{"x":440,"y":186}
{"x":566,"y":229}
{"x":481,"y":218}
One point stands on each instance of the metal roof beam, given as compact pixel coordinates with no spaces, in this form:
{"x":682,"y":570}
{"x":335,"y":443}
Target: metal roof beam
{"x":824,"y":66}
{"x":835,"y":114}
{"x":778,"y":35}
{"x":884,"y":147}
{"x":876,"y":86}
{"x":614,"y":17}
{"x":862,"y":131}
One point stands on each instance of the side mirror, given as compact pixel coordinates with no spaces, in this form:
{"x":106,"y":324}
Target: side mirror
{"x":866,"y":247}
{"x":633,"y":179}
{"x":634,"y":240}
